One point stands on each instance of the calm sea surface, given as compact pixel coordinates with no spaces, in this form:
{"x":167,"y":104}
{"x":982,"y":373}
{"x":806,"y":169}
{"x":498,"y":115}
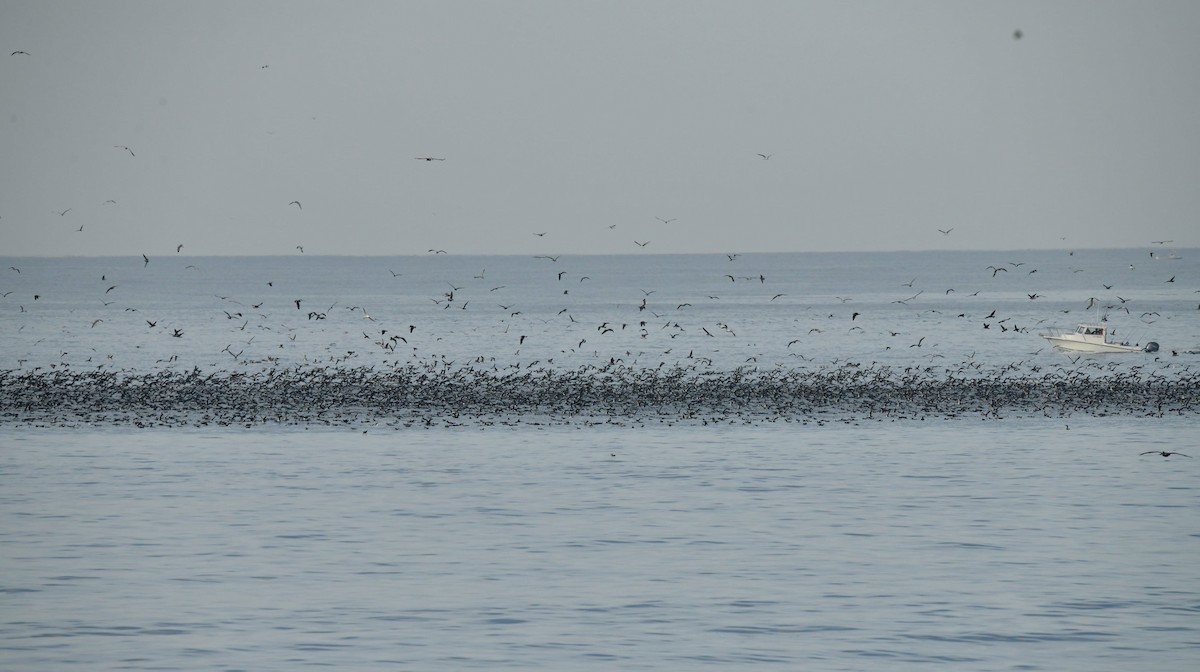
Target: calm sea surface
{"x":1023,"y":543}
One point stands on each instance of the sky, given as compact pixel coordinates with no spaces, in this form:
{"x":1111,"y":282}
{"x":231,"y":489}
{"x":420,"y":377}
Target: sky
{"x":256,"y":128}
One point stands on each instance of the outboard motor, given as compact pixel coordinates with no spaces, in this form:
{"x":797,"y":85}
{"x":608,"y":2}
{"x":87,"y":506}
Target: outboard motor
{"x":1152,"y":346}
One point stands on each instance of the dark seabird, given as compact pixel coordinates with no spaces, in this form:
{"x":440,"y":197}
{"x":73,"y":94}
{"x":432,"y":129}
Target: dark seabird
{"x":1164,"y":453}
{"x":945,"y":232}
{"x":297,"y":204}
{"x":124,"y":148}
{"x":428,"y":158}
{"x":145,"y":261}
{"x":24,"y":53}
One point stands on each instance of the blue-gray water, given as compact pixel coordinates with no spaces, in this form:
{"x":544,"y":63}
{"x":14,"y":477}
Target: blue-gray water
{"x":779,"y":309}
{"x":1031,"y":542}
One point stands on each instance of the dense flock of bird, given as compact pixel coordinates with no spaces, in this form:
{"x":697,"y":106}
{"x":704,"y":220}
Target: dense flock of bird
{"x":646,"y":362}
{"x":430,"y":395}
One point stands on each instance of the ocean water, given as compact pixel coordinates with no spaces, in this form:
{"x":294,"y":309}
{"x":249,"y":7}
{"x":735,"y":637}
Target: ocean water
{"x":795,"y":310}
{"x":1035,"y":541}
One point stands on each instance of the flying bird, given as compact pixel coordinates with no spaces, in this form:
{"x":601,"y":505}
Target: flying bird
{"x":428,"y":158}
{"x":178,"y":248}
{"x":124,"y":148}
{"x":765,"y":157}
{"x":641,"y":244}
{"x":62,"y":213}
{"x":1164,"y":453}
{"x":945,"y":232}
{"x":666,"y":221}
{"x":297,"y":204}
{"x":24,"y":53}
{"x":301,"y":248}
{"x":145,"y":261}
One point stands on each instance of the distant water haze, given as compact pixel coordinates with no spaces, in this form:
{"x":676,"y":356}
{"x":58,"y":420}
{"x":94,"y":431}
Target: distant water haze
{"x":765,"y":310}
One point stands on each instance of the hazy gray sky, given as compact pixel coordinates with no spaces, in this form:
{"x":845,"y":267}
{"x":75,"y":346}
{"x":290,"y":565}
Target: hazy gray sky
{"x":884,"y":122}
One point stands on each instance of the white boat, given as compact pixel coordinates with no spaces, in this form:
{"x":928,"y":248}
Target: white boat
{"x":1093,"y":338}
